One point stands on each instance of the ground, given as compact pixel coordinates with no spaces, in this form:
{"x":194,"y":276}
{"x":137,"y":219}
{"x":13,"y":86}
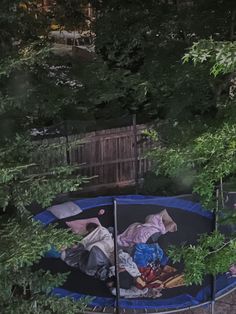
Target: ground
{"x":226,"y":305}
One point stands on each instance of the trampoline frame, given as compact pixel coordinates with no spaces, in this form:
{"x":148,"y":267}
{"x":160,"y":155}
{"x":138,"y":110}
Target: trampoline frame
{"x":117,"y":309}
{"x":135,"y":311}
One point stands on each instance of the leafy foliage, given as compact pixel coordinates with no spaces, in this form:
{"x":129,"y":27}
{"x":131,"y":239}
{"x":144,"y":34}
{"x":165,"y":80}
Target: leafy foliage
{"x":72,"y":14}
{"x":30,"y":92}
{"x":221,"y":55}
{"x":35,"y":240}
{"x":204,"y":156}
{"x":205,"y":161}
{"x":149,"y":39}
{"x":36,"y":90}
{"x":31,"y":55}
{"x":47,"y":304}
{"x":26,"y":178}
{"x":137,"y":67}
{"x":22,"y":290}
{"x":213,"y":254}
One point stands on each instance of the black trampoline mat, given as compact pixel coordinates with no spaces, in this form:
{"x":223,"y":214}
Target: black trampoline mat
{"x":189,"y":227}
{"x":78,"y":281}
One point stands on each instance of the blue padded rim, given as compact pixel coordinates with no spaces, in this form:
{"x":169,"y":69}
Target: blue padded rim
{"x":173,"y":202}
{"x":96,"y":301}
{"x":45,"y":217}
{"x":87,"y":203}
{"x":224,"y":284}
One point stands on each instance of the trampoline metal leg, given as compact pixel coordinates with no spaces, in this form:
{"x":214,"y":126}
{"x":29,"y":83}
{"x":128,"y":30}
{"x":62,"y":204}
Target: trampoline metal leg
{"x":117,"y":310}
{"x":213,"y":307}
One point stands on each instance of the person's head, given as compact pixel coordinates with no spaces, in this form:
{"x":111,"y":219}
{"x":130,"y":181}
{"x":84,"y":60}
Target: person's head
{"x":91,"y":226}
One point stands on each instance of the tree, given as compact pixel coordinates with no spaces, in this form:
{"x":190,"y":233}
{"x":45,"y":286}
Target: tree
{"x":148,"y":39}
{"x":71,"y":14}
{"x":24,"y":290}
{"x":24,"y":176}
{"x":195,"y":115}
{"x":38,"y":88}
{"x":22,"y":182}
{"x":210,"y":155}
{"x":207,"y":159}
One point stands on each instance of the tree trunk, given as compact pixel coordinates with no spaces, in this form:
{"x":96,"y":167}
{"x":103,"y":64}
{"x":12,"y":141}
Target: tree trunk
{"x":232,"y":26}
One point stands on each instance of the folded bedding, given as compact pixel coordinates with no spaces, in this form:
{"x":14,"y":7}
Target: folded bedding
{"x":101,"y":238}
{"x":92,"y":263}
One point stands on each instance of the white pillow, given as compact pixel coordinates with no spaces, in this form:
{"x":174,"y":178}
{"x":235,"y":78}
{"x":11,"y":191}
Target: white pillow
{"x":65,"y":210}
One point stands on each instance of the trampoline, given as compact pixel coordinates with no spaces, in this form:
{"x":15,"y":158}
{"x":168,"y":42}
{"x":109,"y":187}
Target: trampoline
{"x":168,"y":221}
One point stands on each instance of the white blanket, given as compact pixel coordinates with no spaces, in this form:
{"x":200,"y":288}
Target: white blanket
{"x":101,"y":238}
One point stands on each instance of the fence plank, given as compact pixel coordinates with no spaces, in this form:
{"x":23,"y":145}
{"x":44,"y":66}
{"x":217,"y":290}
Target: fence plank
{"x":109,"y":154}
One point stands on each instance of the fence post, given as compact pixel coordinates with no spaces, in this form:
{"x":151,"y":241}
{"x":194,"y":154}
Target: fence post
{"x":135,"y":153}
{"x":213,"y":293}
{"x":67,"y":143}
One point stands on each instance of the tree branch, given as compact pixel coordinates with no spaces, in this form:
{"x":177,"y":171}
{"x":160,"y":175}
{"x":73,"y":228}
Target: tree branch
{"x":220,"y":248}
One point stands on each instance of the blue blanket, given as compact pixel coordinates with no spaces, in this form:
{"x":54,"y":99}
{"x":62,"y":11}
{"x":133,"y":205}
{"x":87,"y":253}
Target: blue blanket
{"x":147,"y":253}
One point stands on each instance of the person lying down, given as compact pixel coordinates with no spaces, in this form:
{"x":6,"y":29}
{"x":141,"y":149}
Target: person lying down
{"x":142,"y":264}
{"x":143,"y":268}
{"x":94,"y":255}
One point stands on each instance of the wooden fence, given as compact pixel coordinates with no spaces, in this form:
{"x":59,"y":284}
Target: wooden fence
{"x":114,"y":156}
